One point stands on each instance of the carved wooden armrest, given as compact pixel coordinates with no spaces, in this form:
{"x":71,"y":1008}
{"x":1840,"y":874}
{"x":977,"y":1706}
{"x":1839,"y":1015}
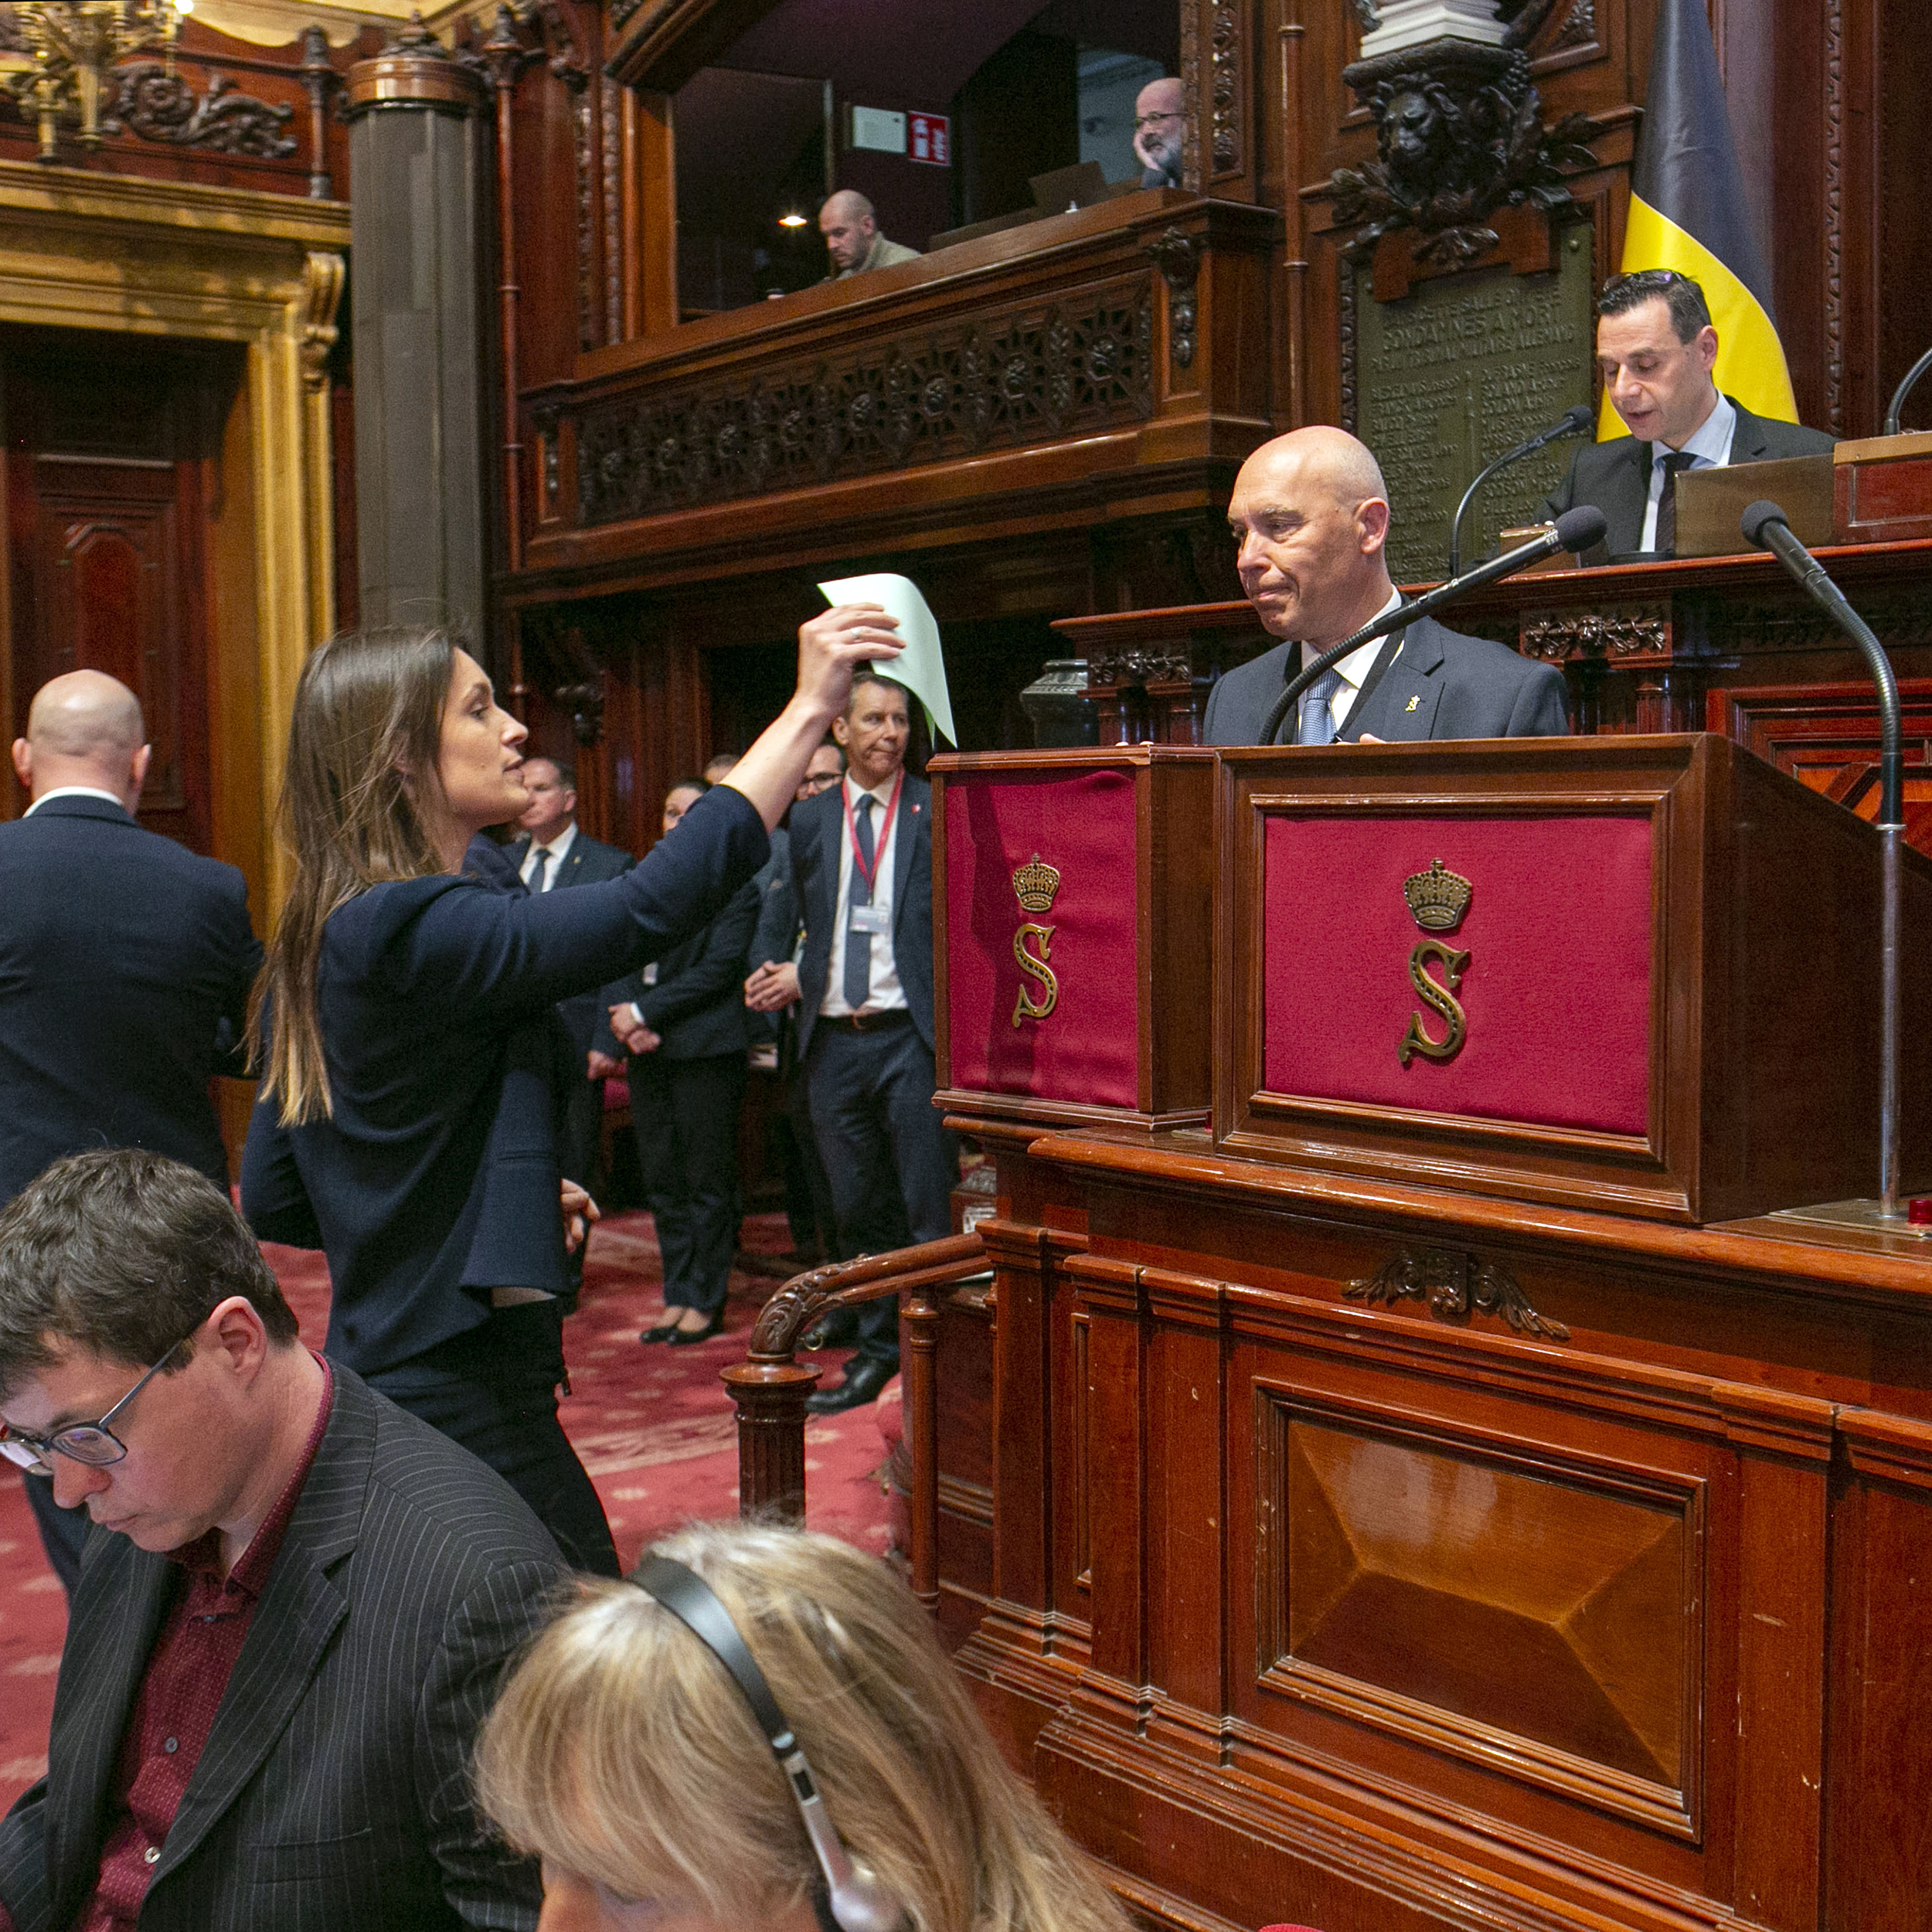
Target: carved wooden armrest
{"x":771,"y":1387}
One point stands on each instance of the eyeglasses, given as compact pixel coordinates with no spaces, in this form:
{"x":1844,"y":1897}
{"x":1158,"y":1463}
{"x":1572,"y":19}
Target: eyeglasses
{"x":93,"y":1443}
{"x":1148,"y":120}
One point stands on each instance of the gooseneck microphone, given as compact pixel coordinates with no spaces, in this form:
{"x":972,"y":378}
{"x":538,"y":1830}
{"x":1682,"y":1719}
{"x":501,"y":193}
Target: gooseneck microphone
{"x":1575,"y":529}
{"x":1576,"y":423}
{"x":1895,"y":412}
{"x":1766,"y":527}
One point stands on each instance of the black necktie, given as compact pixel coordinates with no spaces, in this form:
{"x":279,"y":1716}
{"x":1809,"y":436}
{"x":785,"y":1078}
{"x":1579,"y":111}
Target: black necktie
{"x":1673,"y":464}
{"x":542,"y":864}
{"x":859,"y":945}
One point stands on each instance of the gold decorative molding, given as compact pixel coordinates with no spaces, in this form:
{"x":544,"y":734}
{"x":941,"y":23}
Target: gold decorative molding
{"x":81,"y":249}
{"x":323,"y":280}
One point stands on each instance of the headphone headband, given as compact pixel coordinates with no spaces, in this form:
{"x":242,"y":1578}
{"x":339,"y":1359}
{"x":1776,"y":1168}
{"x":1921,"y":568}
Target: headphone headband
{"x":849,"y":1899}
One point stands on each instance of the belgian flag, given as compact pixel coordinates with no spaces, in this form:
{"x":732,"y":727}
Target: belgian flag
{"x":1687,"y":212}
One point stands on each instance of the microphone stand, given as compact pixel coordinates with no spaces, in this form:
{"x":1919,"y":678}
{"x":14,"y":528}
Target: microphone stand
{"x":1574,"y":424}
{"x":1554,"y":538}
{"x":1765,"y":526}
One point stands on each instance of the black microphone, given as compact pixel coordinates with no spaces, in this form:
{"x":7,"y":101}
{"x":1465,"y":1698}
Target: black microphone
{"x":1578,"y":420}
{"x":1575,"y":529}
{"x":1767,"y":528}
{"x":1895,"y":412}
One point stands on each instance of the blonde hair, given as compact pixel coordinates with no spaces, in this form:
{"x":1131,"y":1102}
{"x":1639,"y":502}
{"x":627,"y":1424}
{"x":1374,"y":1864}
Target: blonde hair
{"x":363,"y":745}
{"x":621,"y":1750}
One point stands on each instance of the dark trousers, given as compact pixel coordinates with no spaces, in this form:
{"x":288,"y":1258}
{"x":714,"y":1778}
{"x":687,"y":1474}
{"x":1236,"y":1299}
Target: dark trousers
{"x":493,"y":1389}
{"x":892,"y":1166}
{"x":685,"y":1113}
{"x":809,"y":1212}
{"x":61,"y":1531}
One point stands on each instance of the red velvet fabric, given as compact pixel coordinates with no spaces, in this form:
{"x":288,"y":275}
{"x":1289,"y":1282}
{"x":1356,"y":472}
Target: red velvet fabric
{"x":1557,"y":989}
{"x":1088,"y":1049}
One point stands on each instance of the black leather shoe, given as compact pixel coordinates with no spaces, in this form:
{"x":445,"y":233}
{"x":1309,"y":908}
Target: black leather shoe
{"x":662,"y":1332}
{"x":838,"y":1330}
{"x":864,"y":1379}
{"x":687,"y":1338}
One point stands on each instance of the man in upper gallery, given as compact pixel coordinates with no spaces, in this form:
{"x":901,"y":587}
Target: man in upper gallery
{"x":1160,"y":125}
{"x":1310,"y":515}
{"x":1657,"y":348}
{"x":851,"y":229}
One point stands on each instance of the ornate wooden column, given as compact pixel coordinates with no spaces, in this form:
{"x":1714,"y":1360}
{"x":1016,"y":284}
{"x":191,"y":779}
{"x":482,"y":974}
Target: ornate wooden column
{"x":417,"y":202}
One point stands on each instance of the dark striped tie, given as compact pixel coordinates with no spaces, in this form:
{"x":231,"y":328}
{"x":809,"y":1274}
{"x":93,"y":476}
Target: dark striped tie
{"x":542,"y":866}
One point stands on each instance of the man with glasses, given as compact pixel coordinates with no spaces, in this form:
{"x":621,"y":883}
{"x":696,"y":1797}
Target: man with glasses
{"x":1656,"y":349}
{"x":1160,"y":126}
{"x":277,"y":1661}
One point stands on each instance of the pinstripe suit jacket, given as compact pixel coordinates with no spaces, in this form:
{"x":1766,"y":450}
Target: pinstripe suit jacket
{"x":333,"y":1795}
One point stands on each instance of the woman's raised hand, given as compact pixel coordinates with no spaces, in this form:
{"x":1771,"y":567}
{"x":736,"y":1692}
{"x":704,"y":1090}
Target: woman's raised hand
{"x":830,"y":644}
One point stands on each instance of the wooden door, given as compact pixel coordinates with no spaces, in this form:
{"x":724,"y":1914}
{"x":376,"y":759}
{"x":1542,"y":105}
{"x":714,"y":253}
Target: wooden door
{"x":111,"y":459}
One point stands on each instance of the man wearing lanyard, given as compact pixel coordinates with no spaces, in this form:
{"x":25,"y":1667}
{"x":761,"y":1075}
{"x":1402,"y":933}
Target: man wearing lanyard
{"x":862,"y":866}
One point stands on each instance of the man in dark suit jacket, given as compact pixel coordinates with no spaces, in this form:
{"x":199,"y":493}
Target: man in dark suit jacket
{"x":553,"y":852}
{"x":682,"y":1021}
{"x":125,"y":966}
{"x":1309,"y":513}
{"x":294,"y":1605}
{"x":861,"y":858}
{"x":1657,"y":350}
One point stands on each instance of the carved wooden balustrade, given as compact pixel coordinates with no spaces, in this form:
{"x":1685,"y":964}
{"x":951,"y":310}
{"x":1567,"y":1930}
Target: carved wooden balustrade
{"x":771,"y":1386}
{"x":1072,"y":365}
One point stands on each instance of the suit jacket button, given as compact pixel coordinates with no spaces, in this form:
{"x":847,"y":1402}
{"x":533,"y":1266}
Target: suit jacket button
{"x":153,"y":1854}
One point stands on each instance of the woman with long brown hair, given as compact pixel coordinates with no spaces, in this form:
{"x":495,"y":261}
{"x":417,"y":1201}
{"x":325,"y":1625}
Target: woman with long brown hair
{"x":623,"y":1754}
{"x":404,"y":1123}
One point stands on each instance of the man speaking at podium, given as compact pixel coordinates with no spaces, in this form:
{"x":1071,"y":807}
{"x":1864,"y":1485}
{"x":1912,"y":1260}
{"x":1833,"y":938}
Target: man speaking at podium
{"x":1657,"y":348}
{"x":1310,"y":512}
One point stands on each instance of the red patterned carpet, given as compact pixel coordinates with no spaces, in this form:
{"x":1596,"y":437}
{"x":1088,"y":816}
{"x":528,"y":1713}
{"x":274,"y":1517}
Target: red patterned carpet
{"x":654,"y":1427}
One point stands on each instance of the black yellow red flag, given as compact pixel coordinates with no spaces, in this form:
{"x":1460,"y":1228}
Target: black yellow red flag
{"x":1687,"y":212}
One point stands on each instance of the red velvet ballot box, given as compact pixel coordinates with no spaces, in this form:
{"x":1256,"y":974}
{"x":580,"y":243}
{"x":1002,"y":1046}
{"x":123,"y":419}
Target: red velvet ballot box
{"x":1073,"y":921}
{"x":1638,"y":975}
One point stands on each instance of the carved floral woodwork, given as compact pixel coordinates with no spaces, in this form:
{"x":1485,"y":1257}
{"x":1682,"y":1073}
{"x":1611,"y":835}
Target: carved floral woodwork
{"x":1454,"y":1286}
{"x":1018,"y":375}
{"x":1555,"y":636}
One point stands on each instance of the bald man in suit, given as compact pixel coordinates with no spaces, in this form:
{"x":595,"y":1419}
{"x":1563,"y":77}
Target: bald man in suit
{"x":1310,"y":512}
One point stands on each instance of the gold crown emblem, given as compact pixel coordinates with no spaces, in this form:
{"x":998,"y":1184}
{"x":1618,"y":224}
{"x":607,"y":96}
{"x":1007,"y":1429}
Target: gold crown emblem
{"x":1035,"y":883}
{"x":1437,"y":898}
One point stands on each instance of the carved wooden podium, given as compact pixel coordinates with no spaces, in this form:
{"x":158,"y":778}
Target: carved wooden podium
{"x":1435,"y":1489}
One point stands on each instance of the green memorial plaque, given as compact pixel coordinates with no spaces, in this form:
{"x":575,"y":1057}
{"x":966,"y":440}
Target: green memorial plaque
{"x":1450,"y":376}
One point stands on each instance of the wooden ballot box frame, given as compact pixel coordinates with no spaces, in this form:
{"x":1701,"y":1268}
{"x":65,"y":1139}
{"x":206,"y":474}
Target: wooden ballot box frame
{"x":1171,"y":971}
{"x":1762,"y":1077}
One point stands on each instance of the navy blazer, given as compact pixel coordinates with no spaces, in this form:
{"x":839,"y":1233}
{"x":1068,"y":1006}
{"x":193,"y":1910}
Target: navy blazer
{"x":588,"y":862}
{"x":1442,"y":685}
{"x":817,"y":828}
{"x":1615,"y":476}
{"x":125,"y":966}
{"x":334,"y":1788}
{"x":435,"y":1181}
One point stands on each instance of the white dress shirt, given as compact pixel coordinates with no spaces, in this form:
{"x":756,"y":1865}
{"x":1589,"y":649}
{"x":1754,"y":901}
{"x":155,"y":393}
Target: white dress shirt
{"x":75,"y":791}
{"x":1708,"y":445}
{"x":559,"y":848}
{"x":1353,"y":668}
{"x":883,"y":992}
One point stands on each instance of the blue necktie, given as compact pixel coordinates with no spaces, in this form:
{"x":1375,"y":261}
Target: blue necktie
{"x":859,"y":945}
{"x":1317,"y":723}
{"x":542,"y":866}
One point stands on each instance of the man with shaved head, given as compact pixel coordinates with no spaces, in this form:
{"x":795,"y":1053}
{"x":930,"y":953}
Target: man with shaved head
{"x":1309,"y":513}
{"x":1159,"y":125}
{"x":125,"y":965}
{"x":853,"y":239}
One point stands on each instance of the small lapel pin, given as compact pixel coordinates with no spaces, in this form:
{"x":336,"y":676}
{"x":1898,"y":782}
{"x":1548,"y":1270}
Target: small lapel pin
{"x":1413,"y":702}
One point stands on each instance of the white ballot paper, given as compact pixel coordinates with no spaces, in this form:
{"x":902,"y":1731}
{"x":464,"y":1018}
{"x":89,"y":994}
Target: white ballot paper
{"x":921,"y":666}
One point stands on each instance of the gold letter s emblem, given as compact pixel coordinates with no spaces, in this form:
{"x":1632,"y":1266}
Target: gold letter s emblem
{"x":1442,"y":998}
{"x":1025,"y":1007}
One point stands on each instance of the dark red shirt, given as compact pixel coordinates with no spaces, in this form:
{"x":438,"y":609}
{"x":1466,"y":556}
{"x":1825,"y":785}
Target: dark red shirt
{"x":174,"y":1710}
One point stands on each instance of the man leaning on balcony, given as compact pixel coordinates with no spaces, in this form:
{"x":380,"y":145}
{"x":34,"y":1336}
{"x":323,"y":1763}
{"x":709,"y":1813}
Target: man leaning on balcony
{"x":853,"y":239}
